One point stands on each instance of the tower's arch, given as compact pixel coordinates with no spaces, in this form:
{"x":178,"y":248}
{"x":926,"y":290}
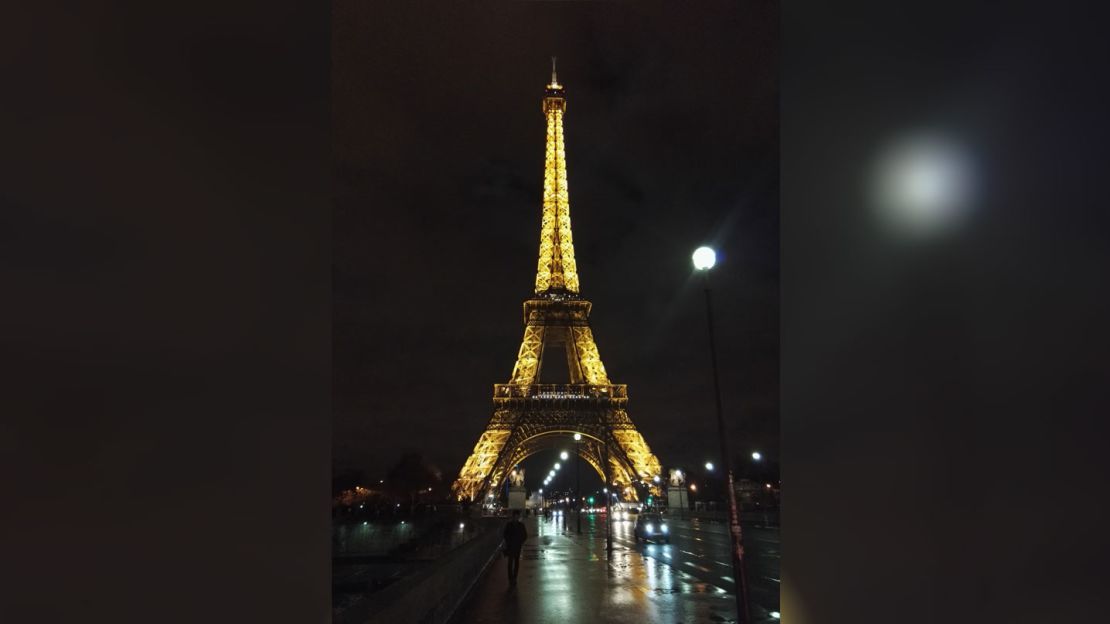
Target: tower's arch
{"x":591,"y":449}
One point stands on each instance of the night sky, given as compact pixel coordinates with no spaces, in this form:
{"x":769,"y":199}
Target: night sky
{"x":672,"y":142}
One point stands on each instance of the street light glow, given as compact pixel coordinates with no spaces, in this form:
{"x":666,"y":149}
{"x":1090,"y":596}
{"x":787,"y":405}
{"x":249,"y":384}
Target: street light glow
{"x":563,"y":456}
{"x":756,"y":455}
{"x":709,"y":466}
{"x":557,"y":466}
{"x":704,"y":258}
{"x":577,"y":437}
{"x":923,"y":183}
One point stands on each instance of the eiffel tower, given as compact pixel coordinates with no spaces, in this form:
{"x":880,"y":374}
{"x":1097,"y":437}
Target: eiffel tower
{"x":529,"y":416}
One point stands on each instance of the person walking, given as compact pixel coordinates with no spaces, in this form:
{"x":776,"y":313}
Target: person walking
{"x":515,"y":534}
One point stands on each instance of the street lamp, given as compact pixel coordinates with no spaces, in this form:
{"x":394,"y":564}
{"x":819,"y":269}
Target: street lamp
{"x":756,"y":455}
{"x":709,"y":466}
{"x":704,"y":259}
{"x":577,"y":482}
{"x":563,"y":456}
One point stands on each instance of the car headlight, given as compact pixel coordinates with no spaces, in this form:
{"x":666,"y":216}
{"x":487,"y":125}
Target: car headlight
{"x":649,"y":528}
{"x":663,"y":528}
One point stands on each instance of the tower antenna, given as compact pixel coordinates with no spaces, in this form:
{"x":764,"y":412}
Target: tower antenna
{"x":554,"y":80}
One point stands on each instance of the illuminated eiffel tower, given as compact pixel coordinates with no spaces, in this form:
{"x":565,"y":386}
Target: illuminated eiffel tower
{"x":528,"y":416}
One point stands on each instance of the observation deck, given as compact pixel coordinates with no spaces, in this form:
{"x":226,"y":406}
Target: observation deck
{"x":615,"y":395}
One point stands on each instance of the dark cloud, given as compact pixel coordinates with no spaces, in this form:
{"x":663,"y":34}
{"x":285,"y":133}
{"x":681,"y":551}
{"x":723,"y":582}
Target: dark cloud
{"x":672,"y":140}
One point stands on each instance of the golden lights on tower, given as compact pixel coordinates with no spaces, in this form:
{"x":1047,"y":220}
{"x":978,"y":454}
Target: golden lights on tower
{"x":556,"y":270}
{"x":528,"y":413}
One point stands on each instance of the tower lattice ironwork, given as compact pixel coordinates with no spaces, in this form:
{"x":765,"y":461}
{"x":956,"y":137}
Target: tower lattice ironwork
{"x":529,"y":416}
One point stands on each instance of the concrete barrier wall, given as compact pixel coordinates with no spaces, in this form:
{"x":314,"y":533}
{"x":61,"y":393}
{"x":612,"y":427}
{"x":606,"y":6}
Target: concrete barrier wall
{"x":432,"y":594}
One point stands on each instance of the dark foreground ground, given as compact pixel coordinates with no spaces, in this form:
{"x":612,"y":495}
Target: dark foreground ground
{"x":566,"y":577}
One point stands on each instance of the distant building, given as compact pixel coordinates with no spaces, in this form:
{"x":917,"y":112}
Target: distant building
{"x":535,"y":501}
{"x":355,"y":496}
{"x":751,"y":493}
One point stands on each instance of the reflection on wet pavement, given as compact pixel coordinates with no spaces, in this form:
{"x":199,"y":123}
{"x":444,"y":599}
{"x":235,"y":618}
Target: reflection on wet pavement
{"x":566,"y":577}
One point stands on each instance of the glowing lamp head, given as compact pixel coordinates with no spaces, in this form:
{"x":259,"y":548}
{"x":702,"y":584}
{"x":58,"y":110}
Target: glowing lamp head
{"x":577,"y":437}
{"x":923,"y":184}
{"x":563,"y":456}
{"x":709,"y":466}
{"x":704,"y":258}
{"x":757,"y":456}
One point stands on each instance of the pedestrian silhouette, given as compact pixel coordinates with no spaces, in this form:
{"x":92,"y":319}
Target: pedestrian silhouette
{"x":515,"y":534}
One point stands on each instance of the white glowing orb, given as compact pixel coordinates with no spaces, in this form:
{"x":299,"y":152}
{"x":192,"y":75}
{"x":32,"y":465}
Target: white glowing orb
{"x":704,"y":258}
{"x":922,"y":185}
{"x":709,"y":466}
{"x":563,"y":455}
{"x":757,"y":456}
{"x":577,"y":436}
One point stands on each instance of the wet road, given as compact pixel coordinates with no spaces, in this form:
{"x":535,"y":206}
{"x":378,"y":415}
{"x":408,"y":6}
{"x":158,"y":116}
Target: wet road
{"x":566,"y":577}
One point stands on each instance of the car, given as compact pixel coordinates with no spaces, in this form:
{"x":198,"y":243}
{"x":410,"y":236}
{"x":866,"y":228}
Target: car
{"x":651,"y":526}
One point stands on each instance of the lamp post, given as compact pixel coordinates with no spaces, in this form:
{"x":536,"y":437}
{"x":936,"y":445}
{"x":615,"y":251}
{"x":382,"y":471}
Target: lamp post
{"x":608,"y":507}
{"x":577,"y":482}
{"x":708,"y":494}
{"x":704,"y":259}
